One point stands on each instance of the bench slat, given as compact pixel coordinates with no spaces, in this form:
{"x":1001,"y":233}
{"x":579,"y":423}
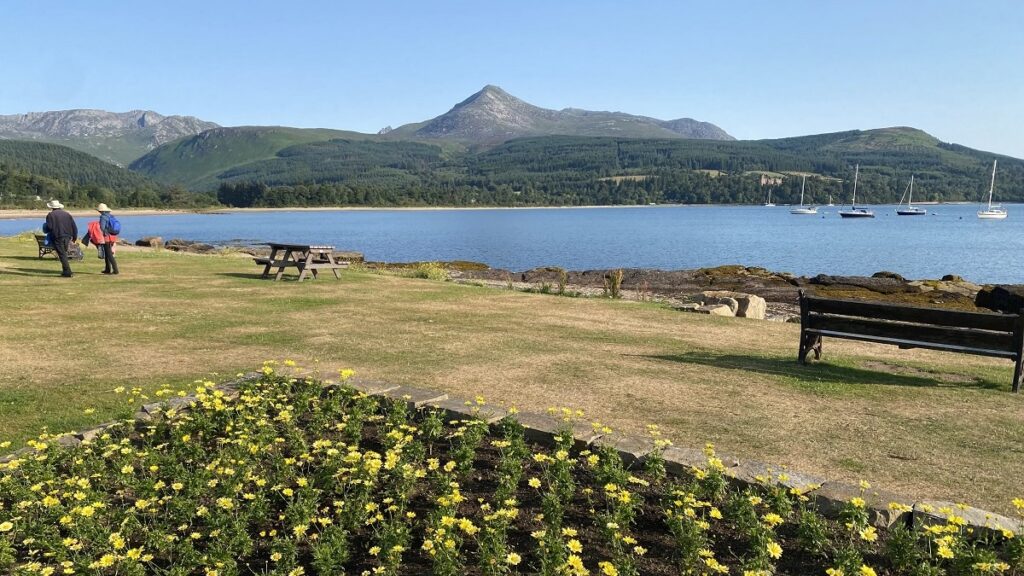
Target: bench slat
{"x":911,"y":333}
{"x":899,"y":312}
{"x":915,"y":344}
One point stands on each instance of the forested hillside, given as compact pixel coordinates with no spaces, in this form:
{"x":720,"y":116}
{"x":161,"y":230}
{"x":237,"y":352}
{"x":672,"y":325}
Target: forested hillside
{"x":33,"y":172}
{"x":580,"y":170}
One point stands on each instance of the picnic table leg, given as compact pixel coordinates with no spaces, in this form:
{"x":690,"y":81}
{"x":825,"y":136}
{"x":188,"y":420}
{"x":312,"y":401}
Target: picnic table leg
{"x":1018,"y":335}
{"x":281,"y":269}
{"x":303,"y":268}
{"x":266,"y":269}
{"x":334,"y":265}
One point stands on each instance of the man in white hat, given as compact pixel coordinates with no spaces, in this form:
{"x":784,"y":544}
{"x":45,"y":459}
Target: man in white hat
{"x":62,"y":229}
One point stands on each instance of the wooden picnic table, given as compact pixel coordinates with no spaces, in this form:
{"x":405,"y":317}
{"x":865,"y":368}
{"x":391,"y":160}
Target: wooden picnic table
{"x":305,"y":258}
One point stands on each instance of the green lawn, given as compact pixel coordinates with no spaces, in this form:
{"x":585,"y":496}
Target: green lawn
{"x":923,"y":423}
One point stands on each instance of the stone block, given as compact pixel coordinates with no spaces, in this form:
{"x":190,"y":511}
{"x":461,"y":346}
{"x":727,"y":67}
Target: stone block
{"x":455,"y":409}
{"x":95,"y":432}
{"x":983,"y":522}
{"x":370,"y":387}
{"x":632,"y":449}
{"x":414,"y":397}
{"x":832,"y":497}
{"x":68,"y":441}
{"x":752,"y":472}
{"x":680,"y":461}
{"x":542,"y":429}
{"x":17,"y":455}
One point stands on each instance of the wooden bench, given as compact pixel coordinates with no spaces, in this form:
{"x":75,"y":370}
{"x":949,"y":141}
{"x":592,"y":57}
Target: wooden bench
{"x":982,"y":334}
{"x":44,"y":248}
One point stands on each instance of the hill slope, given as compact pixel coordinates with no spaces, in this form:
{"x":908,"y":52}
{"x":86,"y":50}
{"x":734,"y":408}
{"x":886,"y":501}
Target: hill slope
{"x":34,"y":172}
{"x":196,"y":161}
{"x":492,"y":116}
{"x":115,"y":137}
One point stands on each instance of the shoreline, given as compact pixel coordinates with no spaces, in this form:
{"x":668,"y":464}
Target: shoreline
{"x":25,"y":214}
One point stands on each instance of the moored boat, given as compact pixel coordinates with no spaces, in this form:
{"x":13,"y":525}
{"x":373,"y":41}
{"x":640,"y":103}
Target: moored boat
{"x":855,"y":212}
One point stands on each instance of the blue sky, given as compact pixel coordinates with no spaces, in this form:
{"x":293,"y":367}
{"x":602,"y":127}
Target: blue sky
{"x":758,"y":69}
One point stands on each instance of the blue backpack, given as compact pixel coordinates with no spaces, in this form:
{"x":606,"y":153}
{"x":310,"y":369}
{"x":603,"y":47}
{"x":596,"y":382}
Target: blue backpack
{"x":113,"y":225}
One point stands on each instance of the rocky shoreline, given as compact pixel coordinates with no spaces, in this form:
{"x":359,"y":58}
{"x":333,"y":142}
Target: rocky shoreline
{"x":705,"y":290}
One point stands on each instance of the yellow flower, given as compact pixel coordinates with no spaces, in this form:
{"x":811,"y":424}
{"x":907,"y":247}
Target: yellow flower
{"x":869,"y":534}
{"x":857,"y":502}
{"x":866,"y":570}
{"x":774,"y":550}
{"x":607,"y":569}
{"x":512,"y":559}
{"x":574,"y":546}
{"x":534,"y":483}
{"x":275,"y":557}
{"x":6,"y":526}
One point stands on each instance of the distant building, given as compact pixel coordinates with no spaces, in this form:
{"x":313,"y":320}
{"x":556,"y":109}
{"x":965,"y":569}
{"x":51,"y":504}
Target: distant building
{"x":767,"y":180}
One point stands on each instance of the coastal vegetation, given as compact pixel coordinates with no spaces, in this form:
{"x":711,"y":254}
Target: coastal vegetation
{"x":915,"y":422}
{"x":283,"y":475}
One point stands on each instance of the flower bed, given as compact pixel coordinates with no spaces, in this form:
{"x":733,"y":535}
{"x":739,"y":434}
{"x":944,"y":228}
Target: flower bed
{"x":289,"y":476}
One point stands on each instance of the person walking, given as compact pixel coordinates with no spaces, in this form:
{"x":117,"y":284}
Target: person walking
{"x":63,"y":231}
{"x":110,"y":227}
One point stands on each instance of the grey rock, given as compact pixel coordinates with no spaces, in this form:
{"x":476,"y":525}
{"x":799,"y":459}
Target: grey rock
{"x":680,"y":461}
{"x":150,"y":242}
{"x":371,"y":387}
{"x":1007,"y":298}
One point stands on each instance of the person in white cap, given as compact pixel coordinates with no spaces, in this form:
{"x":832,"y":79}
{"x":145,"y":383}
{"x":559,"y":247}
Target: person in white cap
{"x":109,"y":238}
{"x":62,"y":229}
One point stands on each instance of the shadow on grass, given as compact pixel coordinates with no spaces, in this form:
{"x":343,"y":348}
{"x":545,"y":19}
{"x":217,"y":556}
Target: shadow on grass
{"x":55,"y":271}
{"x":818,"y":372}
{"x":246,"y":275}
{"x":49,"y":257}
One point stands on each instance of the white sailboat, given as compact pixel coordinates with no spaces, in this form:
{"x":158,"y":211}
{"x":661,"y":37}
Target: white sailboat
{"x":992,"y":212}
{"x":910,"y":210}
{"x":855,"y":212}
{"x":830,"y":200}
{"x":803,"y":209}
{"x":769,"y":202}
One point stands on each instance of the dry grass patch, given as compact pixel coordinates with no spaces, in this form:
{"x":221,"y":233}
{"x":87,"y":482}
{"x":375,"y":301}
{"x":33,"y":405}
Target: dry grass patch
{"x":929,"y":423}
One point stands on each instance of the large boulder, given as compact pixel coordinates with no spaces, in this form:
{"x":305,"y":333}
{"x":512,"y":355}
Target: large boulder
{"x":742,"y":304}
{"x":150,"y":241}
{"x":715,"y":310}
{"x":1008,"y":298}
{"x":886,"y":285}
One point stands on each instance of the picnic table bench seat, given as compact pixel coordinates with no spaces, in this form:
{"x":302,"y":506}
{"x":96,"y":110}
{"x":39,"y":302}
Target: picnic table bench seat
{"x":983,"y":334}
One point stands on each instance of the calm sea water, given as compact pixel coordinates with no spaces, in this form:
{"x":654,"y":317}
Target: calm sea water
{"x":949,"y":240}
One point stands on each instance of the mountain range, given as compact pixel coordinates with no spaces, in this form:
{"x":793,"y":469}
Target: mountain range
{"x":491,"y":148}
{"x":115,"y":137}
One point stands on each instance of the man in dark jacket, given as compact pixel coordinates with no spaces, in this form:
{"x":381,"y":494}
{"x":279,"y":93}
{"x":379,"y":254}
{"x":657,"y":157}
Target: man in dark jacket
{"x":62,"y":229}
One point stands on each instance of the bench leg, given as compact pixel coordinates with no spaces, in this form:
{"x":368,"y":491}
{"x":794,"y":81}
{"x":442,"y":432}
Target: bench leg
{"x":809,"y":343}
{"x":1018,"y":375}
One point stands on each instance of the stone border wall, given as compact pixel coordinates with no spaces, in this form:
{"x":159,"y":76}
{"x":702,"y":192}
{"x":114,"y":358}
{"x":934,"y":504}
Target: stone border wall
{"x":826,"y":496}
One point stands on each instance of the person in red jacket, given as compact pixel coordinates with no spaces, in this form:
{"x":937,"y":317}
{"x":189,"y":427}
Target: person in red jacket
{"x":109,"y":240}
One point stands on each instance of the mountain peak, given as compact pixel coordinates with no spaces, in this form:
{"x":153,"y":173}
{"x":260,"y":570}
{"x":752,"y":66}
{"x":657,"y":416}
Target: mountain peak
{"x":492,"y":115}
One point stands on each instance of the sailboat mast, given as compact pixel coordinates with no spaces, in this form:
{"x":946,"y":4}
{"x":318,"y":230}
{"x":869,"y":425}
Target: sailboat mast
{"x":802,"y":184}
{"x":856,"y":172}
{"x":910,"y":198}
{"x":992,"y":186}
